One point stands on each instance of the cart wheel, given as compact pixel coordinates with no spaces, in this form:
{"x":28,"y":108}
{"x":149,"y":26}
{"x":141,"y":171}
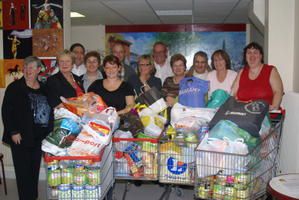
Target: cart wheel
{"x":179,"y":192}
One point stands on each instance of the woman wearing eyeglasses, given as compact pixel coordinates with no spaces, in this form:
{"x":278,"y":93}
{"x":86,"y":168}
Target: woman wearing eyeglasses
{"x":146,"y":72}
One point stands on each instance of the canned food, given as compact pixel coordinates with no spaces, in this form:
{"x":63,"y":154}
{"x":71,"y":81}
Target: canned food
{"x":79,"y":178}
{"x":230,"y":193}
{"x":78,"y":192}
{"x":54,"y":178}
{"x":67,"y":176}
{"x":64,"y":191}
{"x":221,"y":179}
{"x":242,"y":178}
{"x":93,"y":177}
{"x":218,"y":192}
{"x":242,"y":194}
{"x":91,"y":192}
{"x":204,"y":191}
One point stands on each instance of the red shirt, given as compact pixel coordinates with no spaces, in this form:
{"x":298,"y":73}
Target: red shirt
{"x":258,"y":88}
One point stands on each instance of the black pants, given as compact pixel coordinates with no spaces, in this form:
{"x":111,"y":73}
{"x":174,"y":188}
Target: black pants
{"x":27,"y":164}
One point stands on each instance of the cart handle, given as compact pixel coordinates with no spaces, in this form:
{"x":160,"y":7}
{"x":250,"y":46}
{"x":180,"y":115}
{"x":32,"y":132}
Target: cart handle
{"x":49,"y":158}
{"x":135,"y":140}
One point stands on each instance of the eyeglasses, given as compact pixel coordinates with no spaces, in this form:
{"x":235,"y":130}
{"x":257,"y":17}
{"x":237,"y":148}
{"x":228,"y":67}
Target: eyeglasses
{"x":144,"y":64}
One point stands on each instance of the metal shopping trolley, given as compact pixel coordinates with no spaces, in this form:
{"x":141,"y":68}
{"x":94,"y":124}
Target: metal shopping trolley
{"x":226,"y":176}
{"x":176,"y":165}
{"x":79,"y":177}
{"x":135,"y":159}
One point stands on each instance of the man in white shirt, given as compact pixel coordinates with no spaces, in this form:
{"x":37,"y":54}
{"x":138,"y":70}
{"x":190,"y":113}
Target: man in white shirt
{"x":79,"y":51}
{"x":162,"y":65}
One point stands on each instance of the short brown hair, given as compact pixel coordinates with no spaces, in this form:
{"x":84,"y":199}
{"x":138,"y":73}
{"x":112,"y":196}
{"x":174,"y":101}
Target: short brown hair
{"x":92,"y":54}
{"x":111,"y":59}
{"x":224,"y":55}
{"x":177,"y":57}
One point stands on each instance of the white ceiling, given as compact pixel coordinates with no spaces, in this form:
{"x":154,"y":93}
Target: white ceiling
{"x":132,"y":12}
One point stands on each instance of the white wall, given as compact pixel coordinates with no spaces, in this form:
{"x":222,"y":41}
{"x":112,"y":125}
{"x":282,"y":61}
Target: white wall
{"x":92,"y":37}
{"x":280,"y":39}
{"x":296,"y":43}
{"x":282,"y":45}
{"x":289,"y":154}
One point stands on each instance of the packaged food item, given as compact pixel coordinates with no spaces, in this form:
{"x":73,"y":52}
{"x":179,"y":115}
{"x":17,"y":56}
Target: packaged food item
{"x":93,"y":176}
{"x":204,"y":191}
{"x":150,"y":164}
{"x":54,"y":177}
{"x":77,"y":192}
{"x":67,"y":176}
{"x":230,"y":192}
{"x":79,"y":178}
{"x":64,"y":191}
{"x":170,"y":132}
{"x":133,"y":150}
{"x":242,"y":194}
{"x":91,"y":192}
{"x":135,"y":171}
{"x":241,"y":180}
{"x":218,"y":192}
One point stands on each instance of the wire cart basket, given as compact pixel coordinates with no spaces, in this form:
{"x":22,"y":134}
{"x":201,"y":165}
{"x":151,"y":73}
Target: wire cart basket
{"x":176,"y":165}
{"x":226,"y":176}
{"x":135,"y":159}
{"x":79,"y":177}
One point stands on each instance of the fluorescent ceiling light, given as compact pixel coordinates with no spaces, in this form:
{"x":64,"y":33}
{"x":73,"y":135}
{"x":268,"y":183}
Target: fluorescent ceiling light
{"x":173,"y":12}
{"x":76,"y":14}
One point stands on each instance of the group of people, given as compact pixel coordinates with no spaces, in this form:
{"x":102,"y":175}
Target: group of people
{"x":27,"y":109}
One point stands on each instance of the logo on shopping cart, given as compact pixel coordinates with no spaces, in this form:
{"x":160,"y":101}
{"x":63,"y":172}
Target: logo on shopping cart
{"x":175,"y":166}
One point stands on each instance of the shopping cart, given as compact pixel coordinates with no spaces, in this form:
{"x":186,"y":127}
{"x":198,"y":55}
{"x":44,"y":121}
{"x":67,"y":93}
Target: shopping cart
{"x":135,"y":159}
{"x":176,"y":165}
{"x":232,"y":176}
{"x":79,"y":177}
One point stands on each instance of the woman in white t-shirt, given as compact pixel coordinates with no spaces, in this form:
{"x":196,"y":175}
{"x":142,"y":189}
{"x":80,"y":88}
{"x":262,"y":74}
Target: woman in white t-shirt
{"x":222,"y":77}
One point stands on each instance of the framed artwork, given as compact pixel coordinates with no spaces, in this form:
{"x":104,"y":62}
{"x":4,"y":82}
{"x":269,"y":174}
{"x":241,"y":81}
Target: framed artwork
{"x":184,"y":39}
{"x":1,"y":22}
{"x":46,"y":14}
{"x":15,"y":14}
{"x":48,"y":67}
{"x":47,"y":42}
{"x":17,"y":44}
{"x":13,"y":70}
{"x":2,"y":77}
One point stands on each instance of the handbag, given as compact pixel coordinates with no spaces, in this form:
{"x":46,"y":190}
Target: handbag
{"x":193,"y":91}
{"x":149,"y":97}
{"x":247,"y":115}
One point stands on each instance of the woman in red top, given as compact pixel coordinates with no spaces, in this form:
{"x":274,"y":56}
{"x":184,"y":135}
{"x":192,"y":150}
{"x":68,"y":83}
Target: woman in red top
{"x":258,"y":80}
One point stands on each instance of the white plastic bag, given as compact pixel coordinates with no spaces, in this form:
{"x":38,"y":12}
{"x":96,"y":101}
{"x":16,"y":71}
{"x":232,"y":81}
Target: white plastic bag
{"x":179,"y":112}
{"x":86,"y":144}
{"x":236,"y":147}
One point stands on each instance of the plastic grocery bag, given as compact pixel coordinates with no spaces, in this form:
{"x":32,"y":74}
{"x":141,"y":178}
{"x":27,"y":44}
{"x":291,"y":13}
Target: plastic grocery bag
{"x":248,"y":116}
{"x":217,"y":98}
{"x":108,"y":115}
{"x":89,"y":102}
{"x":86,"y":144}
{"x":193,"y":91}
{"x":236,"y":147}
{"x":180,"y":111}
{"x":230,"y":130}
{"x":213,"y":144}
{"x":60,"y":113}
{"x":153,"y":125}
